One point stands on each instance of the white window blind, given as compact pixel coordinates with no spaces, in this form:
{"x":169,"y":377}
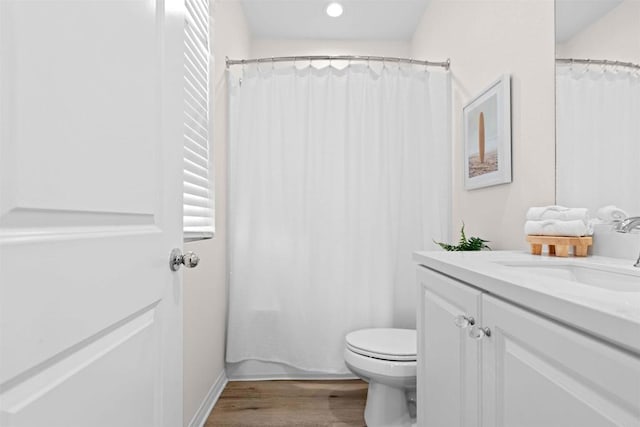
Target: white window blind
{"x":198,"y":203}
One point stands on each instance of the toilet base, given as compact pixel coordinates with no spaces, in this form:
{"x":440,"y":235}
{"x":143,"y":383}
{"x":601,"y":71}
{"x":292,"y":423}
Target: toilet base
{"x":387,"y":407}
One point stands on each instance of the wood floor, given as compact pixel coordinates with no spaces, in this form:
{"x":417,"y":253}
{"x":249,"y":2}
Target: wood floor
{"x":290,"y":403}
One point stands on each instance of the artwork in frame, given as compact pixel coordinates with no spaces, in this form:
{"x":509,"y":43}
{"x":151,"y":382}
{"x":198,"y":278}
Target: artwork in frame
{"x":487,"y":136}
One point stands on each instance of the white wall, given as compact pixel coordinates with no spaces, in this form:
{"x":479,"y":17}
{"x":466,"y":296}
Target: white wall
{"x":485,"y":39}
{"x":615,"y":36}
{"x":205,"y":291}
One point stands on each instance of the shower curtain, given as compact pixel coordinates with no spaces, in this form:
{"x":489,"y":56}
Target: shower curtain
{"x":336,"y":176}
{"x":598,"y":123}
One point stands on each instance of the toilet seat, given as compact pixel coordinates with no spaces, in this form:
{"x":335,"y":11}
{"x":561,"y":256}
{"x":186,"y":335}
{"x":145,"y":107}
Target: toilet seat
{"x":384,"y":343}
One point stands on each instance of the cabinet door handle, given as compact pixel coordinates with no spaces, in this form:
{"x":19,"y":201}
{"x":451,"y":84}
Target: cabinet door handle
{"x":463,"y":321}
{"x":477,"y":333}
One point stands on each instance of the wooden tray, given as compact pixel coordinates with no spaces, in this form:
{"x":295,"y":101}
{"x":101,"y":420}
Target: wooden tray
{"x":559,"y":245}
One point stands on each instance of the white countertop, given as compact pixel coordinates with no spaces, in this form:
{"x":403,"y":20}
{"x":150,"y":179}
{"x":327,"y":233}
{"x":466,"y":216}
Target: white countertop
{"x":611,"y":315}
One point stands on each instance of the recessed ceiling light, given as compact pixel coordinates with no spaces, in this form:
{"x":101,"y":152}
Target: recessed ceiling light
{"x":334,"y":10}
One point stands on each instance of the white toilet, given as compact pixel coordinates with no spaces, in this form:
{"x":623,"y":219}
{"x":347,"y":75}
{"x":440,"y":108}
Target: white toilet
{"x":386,"y":359}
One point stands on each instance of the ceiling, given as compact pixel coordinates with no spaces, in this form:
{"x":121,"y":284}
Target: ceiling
{"x":383,"y":19}
{"x":572,"y":16}
{"x":361,"y":20}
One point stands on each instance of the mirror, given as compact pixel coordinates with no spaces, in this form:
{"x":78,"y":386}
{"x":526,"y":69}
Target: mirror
{"x":598,"y":104}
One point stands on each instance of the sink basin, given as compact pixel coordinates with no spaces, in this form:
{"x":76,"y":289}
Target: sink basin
{"x":601,"y":277}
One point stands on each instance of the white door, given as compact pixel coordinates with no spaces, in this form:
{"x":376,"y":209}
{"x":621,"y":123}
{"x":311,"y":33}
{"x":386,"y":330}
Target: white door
{"x":448,"y":359}
{"x":90,"y":183}
{"x":539,"y":373}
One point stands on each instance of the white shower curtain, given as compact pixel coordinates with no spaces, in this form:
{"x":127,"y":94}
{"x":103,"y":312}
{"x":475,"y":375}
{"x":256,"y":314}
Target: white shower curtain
{"x":598,"y":137}
{"x":336,"y":176}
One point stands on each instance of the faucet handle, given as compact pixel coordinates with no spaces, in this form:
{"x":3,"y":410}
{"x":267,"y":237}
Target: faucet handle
{"x":616,"y":225}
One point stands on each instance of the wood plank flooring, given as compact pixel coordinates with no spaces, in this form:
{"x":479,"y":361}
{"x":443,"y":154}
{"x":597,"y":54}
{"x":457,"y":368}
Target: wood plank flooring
{"x":290,"y":403}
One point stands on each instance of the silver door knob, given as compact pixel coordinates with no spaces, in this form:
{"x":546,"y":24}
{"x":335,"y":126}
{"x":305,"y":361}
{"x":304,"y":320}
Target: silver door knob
{"x":177,"y":259}
{"x":477,"y":333}
{"x":463,"y":321}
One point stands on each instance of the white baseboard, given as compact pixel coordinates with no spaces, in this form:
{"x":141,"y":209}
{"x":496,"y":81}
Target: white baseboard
{"x":325,"y":377}
{"x":256,"y":370}
{"x":201,"y":415}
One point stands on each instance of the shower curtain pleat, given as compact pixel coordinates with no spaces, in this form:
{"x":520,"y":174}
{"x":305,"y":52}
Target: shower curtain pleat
{"x":336,"y":177}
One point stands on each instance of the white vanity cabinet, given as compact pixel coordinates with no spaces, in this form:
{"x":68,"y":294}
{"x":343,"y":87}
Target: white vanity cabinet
{"x":525,"y":371}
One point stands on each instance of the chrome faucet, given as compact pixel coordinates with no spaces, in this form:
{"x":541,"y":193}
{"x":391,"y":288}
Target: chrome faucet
{"x":626,"y":226}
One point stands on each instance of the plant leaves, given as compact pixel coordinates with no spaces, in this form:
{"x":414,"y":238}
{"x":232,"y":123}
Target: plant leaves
{"x":464,"y":244}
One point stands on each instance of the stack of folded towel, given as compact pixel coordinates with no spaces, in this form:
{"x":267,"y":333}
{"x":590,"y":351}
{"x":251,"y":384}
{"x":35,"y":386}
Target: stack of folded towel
{"x":558,"y":221}
{"x":611,"y":214}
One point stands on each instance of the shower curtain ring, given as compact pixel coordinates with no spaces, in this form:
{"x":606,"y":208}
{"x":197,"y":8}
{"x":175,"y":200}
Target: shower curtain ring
{"x":272,"y":64}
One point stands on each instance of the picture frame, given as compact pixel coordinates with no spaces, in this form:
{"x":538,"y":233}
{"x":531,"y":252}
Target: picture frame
{"x":487,"y":136}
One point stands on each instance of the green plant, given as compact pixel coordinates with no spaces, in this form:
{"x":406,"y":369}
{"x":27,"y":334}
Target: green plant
{"x":470,"y":244}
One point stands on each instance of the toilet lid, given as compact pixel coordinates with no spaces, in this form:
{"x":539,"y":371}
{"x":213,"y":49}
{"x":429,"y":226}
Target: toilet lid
{"x":384,"y":343}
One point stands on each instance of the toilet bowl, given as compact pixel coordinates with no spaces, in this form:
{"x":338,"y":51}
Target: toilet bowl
{"x":386,"y":359}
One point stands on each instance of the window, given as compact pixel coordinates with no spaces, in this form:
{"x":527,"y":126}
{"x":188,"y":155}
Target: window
{"x":198,"y":216}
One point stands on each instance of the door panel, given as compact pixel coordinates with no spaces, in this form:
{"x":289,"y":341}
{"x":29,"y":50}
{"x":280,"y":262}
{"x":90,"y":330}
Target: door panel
{"x":91,"y":108}
{"x":82,"y":88}
{"x":537,"y":372}
{"x":448,"y":360}
{"x":52,"y":307}
{"x":117,"y":373}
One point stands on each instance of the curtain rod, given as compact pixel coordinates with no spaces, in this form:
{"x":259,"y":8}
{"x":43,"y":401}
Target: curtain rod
{"x":598,"y":62}
{"x":446,"y":64}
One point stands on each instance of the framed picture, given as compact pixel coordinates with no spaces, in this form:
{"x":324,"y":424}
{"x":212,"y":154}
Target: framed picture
{"x":487,"y":136}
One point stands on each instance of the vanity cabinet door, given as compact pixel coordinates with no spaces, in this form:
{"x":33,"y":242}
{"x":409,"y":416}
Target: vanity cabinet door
{"x":539,"y":373}
{"x":448,"y":360}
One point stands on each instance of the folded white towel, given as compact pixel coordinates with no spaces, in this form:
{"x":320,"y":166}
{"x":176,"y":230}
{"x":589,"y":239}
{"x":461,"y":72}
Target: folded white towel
{"x":611,"y":213}
{"x":558,"y":212}
{"x":553,"y":227}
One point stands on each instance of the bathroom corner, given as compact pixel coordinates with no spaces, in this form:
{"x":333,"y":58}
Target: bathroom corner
{"x":517,"y":38}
